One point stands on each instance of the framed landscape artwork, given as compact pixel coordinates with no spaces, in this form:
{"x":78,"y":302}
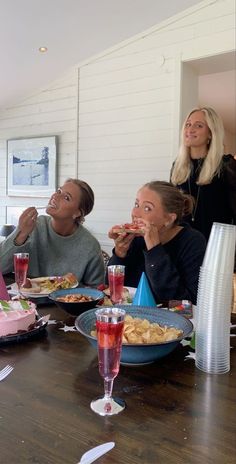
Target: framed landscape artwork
{"x":31,"y":166}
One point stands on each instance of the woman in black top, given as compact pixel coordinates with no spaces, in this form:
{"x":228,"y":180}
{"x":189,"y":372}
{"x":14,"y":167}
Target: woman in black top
{"x":169,"y":253}
{"x":202,"y":170}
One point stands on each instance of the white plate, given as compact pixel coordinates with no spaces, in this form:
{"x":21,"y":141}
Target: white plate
{"x":14,"y":289}
{"x":132,"y":291}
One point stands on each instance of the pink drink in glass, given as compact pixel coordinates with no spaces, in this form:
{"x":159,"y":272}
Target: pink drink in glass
{"x":109,"y":324}
{"x":109,"y":348}
{"x":21,"y":263}
{"x":116,"y":275}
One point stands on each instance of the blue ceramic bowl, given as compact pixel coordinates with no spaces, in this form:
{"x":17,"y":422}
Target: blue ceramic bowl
{"x":140,"y":353}
{"x":76,"y":308}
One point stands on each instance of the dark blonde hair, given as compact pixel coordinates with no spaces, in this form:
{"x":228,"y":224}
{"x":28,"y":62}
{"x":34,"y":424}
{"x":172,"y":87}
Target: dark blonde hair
{"x":173,"y":200}
{"x":86,"y":200}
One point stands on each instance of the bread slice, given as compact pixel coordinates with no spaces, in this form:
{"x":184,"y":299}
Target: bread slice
{"x":128,"y":228}
{"x":35,"y":288}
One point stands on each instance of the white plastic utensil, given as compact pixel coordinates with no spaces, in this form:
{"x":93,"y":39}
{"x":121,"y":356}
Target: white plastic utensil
{"x":5,"y":372}
{"x":95,"y":453}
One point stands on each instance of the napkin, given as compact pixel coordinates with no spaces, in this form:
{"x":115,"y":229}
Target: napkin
{"x":143,"y":295}
{"x":3,"y":289}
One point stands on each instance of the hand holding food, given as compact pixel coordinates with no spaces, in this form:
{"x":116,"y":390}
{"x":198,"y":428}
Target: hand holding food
{"x":26,"y":225}
{"x":123,"y":235}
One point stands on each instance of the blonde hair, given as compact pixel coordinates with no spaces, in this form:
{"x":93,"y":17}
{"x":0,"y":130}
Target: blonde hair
{"x":212,"y":162}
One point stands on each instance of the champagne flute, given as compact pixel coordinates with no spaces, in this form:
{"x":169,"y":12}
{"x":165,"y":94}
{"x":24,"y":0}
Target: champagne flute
{"x":21,"y":263}
{"x":109,"y":325}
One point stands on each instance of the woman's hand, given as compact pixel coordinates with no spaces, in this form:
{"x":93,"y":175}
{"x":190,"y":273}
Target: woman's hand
{"x":151,"y":234}
{"x":122,"y":242}
{"x":26,"y":224}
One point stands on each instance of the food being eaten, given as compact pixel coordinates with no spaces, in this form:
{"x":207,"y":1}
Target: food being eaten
{"x":49,"y":284}
{"x":16,"y":316}
{"x":128,"y":228}
{"x":141,"y":331}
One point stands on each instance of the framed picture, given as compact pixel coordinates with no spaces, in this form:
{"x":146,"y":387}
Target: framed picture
{"x":31,"y":167}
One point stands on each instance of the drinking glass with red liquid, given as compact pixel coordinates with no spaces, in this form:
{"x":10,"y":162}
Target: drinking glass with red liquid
{"x":116,"y":276}
{"x":21,"y":263}
{"x":109,"y":325}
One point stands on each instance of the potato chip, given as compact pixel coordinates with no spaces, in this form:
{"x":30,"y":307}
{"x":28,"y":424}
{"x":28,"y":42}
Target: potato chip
{"x":141,"y":331}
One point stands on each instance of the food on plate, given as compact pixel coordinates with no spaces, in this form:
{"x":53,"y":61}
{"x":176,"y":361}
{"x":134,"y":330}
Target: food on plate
{"x":49,"y":284}
{"x":31,"y":287}
{"x":127,"y":228}
{"x":138,"y":330}
{"x":126,"y":297}
{"x":75,"y":298}
{"x":16,"y":316}
{"x":141,"y":331}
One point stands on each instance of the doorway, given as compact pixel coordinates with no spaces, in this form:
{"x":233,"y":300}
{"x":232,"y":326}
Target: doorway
{"x":211,"y":81}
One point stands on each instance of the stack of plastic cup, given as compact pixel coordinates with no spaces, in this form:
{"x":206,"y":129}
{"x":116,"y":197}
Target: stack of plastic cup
{"x":214,"y":301}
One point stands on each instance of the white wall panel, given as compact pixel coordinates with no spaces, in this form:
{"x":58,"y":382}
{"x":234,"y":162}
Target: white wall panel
{"x":127,"y":131}
{"x":122,"y":131}
{"x":52,"y":111}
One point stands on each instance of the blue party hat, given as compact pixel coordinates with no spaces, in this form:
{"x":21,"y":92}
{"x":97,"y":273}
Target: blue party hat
{"x":143,"y":295}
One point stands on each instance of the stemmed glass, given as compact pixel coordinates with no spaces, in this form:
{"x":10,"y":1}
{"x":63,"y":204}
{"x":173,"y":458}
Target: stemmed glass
{"x":109,"y":325}
{"x":21,"y":263}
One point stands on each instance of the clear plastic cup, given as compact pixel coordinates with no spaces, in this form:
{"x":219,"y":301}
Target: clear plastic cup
{"x":220,"y":248}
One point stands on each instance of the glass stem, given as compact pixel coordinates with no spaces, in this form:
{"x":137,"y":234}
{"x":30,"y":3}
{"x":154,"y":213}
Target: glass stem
{"x":108,"y":386}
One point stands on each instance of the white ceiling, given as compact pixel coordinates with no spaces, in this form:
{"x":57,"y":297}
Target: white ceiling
{"x":73,"y":31}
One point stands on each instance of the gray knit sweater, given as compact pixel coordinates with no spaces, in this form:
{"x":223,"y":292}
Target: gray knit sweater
{"x":52,"y":254}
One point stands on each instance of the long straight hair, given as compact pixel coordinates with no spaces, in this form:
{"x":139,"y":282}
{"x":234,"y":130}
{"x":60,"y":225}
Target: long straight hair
{"x":212,"y":162}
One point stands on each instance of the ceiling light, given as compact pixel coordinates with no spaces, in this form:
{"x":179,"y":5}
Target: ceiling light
{"x":43,"y":49}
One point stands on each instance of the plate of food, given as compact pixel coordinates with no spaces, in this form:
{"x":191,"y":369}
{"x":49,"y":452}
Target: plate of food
{"x":127,"y":295}
{"x":41,"y":286}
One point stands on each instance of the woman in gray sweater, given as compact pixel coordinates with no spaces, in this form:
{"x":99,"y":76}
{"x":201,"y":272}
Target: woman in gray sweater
{"x":58,"y":243}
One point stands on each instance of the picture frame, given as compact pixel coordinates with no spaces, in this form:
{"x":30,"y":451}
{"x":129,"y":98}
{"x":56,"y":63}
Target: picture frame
{"x":31,"y":164}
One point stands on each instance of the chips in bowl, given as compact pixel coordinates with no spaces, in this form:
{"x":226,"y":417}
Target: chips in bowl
{"x":141,"y":347}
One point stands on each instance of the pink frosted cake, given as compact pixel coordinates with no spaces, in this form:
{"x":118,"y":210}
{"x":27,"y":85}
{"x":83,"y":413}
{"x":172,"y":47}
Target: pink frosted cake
{"x":16,"y":316}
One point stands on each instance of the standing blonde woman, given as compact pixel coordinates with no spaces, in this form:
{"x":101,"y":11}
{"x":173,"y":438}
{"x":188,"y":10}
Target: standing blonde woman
{"x":202,"y":170}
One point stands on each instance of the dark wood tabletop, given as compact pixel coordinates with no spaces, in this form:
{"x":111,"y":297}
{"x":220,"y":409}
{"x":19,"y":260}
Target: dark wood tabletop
{"x":175,"y":413}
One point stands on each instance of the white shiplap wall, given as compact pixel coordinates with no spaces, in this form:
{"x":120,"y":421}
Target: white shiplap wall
{"x":52,"y":111}
{"x":121,"y":130}
{"x":129,"y":107}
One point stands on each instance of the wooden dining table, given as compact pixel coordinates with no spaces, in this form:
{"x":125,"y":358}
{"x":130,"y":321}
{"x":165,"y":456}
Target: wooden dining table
{"x":174,"y":412}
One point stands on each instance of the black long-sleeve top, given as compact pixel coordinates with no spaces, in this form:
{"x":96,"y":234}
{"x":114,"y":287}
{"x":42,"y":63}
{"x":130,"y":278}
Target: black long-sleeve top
{"x":214,"y":202}
{"x":172,"y":269}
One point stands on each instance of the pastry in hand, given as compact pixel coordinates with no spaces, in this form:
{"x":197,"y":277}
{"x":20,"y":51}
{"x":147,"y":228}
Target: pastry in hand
{"x":128,"y":228}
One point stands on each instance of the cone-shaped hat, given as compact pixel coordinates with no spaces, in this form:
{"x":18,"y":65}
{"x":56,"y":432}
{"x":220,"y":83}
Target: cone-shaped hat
{"x":143,"y":295}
